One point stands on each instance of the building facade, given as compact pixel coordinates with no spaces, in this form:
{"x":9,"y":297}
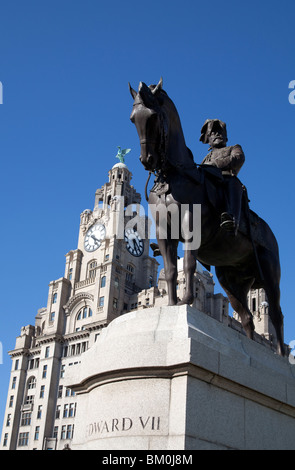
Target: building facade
{"x":110,"y":273}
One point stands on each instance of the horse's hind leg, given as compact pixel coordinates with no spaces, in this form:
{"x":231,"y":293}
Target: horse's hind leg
{"x":271,"y":273}
{"x":237,"y":289}
{"x":276,"y":316}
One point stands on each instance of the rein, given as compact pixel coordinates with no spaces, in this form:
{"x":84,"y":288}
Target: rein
{"x":146,"y":186}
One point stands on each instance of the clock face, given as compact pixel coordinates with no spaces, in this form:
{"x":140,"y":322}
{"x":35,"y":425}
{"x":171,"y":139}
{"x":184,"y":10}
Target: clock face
{"x":134,"y":242}
{"x":94,"y":237}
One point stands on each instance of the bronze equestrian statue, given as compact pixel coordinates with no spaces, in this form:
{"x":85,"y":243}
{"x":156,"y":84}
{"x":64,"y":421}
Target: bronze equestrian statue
{"x":234,"y":239}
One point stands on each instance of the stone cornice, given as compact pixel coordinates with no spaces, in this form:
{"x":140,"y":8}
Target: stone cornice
{"x":19,"y":352}
{"x":49,"y":339}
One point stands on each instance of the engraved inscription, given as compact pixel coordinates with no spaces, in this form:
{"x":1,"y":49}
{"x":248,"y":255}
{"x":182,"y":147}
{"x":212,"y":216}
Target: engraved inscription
{"x":147,"y":423}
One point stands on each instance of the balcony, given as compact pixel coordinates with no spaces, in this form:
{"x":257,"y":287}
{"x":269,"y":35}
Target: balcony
{"x":86,"y":282}
{"x":27,"y":407}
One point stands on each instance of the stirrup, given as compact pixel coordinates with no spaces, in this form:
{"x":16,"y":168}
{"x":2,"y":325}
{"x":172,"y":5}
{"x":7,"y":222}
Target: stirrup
{"x":228,"y":222}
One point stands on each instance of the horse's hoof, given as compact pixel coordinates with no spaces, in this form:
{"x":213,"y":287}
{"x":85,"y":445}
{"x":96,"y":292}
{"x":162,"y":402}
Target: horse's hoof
{"x":186,"y":301}
{"x":280,"y":350}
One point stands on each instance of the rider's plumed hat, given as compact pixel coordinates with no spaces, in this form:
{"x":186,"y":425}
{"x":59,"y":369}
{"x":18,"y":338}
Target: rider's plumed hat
{"x":208,"y":126}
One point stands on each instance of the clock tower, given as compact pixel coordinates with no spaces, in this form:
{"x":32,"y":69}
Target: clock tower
{"x":112,"y":261}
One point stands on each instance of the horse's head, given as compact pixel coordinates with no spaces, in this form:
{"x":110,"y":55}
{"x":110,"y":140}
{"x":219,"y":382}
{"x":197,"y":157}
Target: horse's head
{"x":150,"y":121}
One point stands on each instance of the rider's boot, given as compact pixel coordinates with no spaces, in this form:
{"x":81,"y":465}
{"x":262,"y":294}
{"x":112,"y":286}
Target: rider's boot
{"x":231,"y":218}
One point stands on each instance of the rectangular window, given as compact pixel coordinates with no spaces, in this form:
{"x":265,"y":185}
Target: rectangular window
{"x":62,"y":371}
{"x":5,"y":440}
{"x":11,"y":401}
{"x":52,"y":316}
{"x":57,"y":413}
{"x":29,"y":399}
{"x":37,"y":431}
{"x":16,"y":364}
{"x":8,"y":420}
{"x":72,"y":410}
{"x":70,"y":431}
{"x":34,"y":363}
{"x":66,"y":411}
{"x":44,"y":373}
{"x":23,"y":439}
{"x":63,"y":432}
{"x":47,"y":350}
{"x":26,"y":419}
{"x":13,"y":385}
{"x":42,"y":391}
{"x":39,"y":412}
{"x":54,"y":298}
{"x":101,"y":301}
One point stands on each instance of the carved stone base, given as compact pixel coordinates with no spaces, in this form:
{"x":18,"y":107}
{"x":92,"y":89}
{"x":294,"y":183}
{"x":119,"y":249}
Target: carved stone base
{"x":174,"y":378}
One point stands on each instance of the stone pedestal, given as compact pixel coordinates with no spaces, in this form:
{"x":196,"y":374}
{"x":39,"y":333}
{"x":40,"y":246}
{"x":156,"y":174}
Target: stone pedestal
{"x":174,"y":378}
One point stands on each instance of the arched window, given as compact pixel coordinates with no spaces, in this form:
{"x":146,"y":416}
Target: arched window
{"x":103,"y":281}
{"x":31,"y":383}
{"x":91,"y":271}
{"x":84,"y":312}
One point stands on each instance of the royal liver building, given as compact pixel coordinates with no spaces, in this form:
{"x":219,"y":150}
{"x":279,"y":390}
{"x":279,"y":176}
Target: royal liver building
{"x":109,"y":274}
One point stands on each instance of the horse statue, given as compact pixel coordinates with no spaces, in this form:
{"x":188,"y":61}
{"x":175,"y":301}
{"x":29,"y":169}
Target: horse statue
{"x":245,"y":260}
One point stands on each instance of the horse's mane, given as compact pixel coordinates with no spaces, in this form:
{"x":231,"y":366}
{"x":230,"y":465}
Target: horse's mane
{"x":166,"y":102}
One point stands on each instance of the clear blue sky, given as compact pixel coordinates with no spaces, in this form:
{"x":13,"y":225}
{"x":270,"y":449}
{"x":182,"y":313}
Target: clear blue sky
{"x":65,"y":67}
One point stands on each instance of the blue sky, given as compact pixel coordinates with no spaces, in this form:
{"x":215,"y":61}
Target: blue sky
{"x":65,"y":67}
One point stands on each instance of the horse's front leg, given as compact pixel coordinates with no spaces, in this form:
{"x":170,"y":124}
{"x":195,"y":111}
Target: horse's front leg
{"x":189,"y":267}
{"x":191,"y":243}
{"x":168,"y":250}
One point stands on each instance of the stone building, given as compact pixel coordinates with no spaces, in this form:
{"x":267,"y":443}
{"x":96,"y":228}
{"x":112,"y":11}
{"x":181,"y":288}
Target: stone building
{"x":110,"y":273}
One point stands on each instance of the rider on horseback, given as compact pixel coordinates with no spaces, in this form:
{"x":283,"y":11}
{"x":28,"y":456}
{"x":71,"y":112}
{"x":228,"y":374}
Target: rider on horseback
{"x":229,"y":160}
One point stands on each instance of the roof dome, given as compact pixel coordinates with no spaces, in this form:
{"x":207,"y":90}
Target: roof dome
{"x":120,"y":165}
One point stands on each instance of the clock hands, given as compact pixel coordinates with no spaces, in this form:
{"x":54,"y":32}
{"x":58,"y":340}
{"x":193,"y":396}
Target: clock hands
{"x":134,"y":243}
{"x":95,"y":239}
